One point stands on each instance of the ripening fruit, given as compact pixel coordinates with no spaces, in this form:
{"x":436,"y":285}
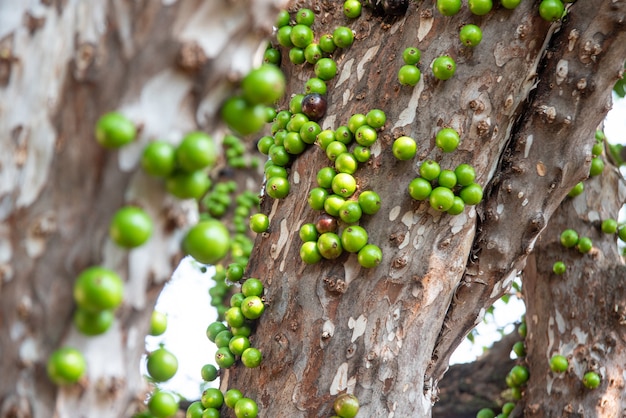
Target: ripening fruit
{"x":162,"y":365}
{"x":591,"y":380}
{"x":346,"y":405}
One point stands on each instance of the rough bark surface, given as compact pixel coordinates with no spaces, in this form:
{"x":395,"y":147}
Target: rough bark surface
{"x":579,"y":314}
{"x":526,"y":102}
{"x":166,"y":65}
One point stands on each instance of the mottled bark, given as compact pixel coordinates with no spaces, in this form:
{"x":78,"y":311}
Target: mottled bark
{"x":579,"y":314}
{"x":526,"y":124}
{"x":167,"y":66}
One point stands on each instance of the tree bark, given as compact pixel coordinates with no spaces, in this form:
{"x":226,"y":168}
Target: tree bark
{"x":580,"y":314}
{"x":526,"y":125}
{"x":167,"y":66}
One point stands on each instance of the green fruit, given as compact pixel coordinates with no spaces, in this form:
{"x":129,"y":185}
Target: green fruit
{"x":591,"y":380}
{"x":507,"y":408}
{"x":325,"y":177}
{"x":366,"y":136}
{"x":576,"y":190}
{"x":419,"y":188}
{"x":66,"y":366}
{"x":458,"y":206}
{"x":465,"y":174}
{"x":376,"y":118}
{"x":353,"y":238}
{"x":114,"y":130}
{"x":309,"y":253}
{"x":448,"y":7}
{"x":265,"y":84}
{"x":447,"y":139}
{"x":369,"y":202}
{"x":370,"y":256}
{"x":325,"y":69}
{"x":444,"y":67}
{"x":522,"y":330}
{"x":584,"y":245}
{"x":252,"y":287}
{"x":158,"y":158}
{"x":472,"y":194}
{"x":207,"y":242}
{"x":327,"y":43}
{"x":162,"y":365}
{"x":411,"y":56}
{"x":519,"y":375}
{"x":93,"y":323}
{"x":251,"y":357}
{"x":283,"y":36}
{"x":447,"y":178}
{"x":558,"y":363}
{"x":430,"y":170}
{"x":329,"y":245}
{"x":597,"y":166}
{"x":98,"y":289}
{"x":551,"y":10}
{"x":162,"y":404}
{"x":441,"y":198}
{"x":305,"y":17}
{"x":223,"y":338}
{"x":355,"y":122}
{"x":231,"y":397}
{"x":346,"y":163}
{"x":485,"y":413}
{"x":212,"y":398}
{"x":404,"y":148}
{"x":301,"y":35}
{"x":243,"y":117}
{"x":480,"y":7}
{"x":316,"y":198}
{"x":559,"y":267}
{"x":130,"y":227}
{"x":510,"y":4}
{"x":569,"y":238}
{"x":211,"y":413}
{"x":246,"y":408}
{"x":252,"y":307}
{"x":470,"y":35}
{"x":361,"y":154}
{"x":209,"y":372}
{"x":346,"y":405}
{"x":277,"y":187}
{"x":194,"y":410}
{"x":350,"y":212}
{"x":621,"y":233}
{"x":271,"y":56}
{"x":234,"y":316}
{"x":609,"y":226}
{"x":352,"y":9}
{"x":309,"y":132}
{"x":188,"y":185}
{"x":196,"y":151}
{"x":333,"y":204}
{"x":409,"y":75}
{"x":344,"y":185}
{"x":259,"y":222}
{"x":519,"y":349}
{"x":224,"y":358}
{"x":343,"y":37}
{"x":215,"y":328}
{"x":158,"y":323}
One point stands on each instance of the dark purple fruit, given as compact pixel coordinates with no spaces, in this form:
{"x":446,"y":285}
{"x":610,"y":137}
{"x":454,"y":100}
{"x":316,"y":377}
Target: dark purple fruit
{"x":326,"y":223}
{"x":388,"y":7}
{"x":314,"y":106}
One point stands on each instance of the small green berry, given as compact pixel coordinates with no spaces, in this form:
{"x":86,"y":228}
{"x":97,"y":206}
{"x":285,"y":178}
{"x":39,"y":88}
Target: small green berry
{"x":559,"y":267}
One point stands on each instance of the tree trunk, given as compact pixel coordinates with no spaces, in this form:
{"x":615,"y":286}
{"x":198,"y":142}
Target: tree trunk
{"x":526,"y":102}
{"x":167,"y":66}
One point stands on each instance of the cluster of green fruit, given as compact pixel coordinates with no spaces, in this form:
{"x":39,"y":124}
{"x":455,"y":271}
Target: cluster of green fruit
{"x":336,"y":194}
{"x":299,"y":37}
{"x":213,"y":400}
{"x":453,"y":189}
{"x":443,"y":67}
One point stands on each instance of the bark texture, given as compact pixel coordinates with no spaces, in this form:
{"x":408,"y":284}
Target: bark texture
{"x":526,"y":102}
{"x":166,"y":65}
{"x":579,"y":314}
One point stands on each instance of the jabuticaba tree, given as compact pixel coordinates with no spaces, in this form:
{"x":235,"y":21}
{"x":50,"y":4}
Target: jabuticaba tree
{"x":166,"y":66}
{"x":526,"y":102}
